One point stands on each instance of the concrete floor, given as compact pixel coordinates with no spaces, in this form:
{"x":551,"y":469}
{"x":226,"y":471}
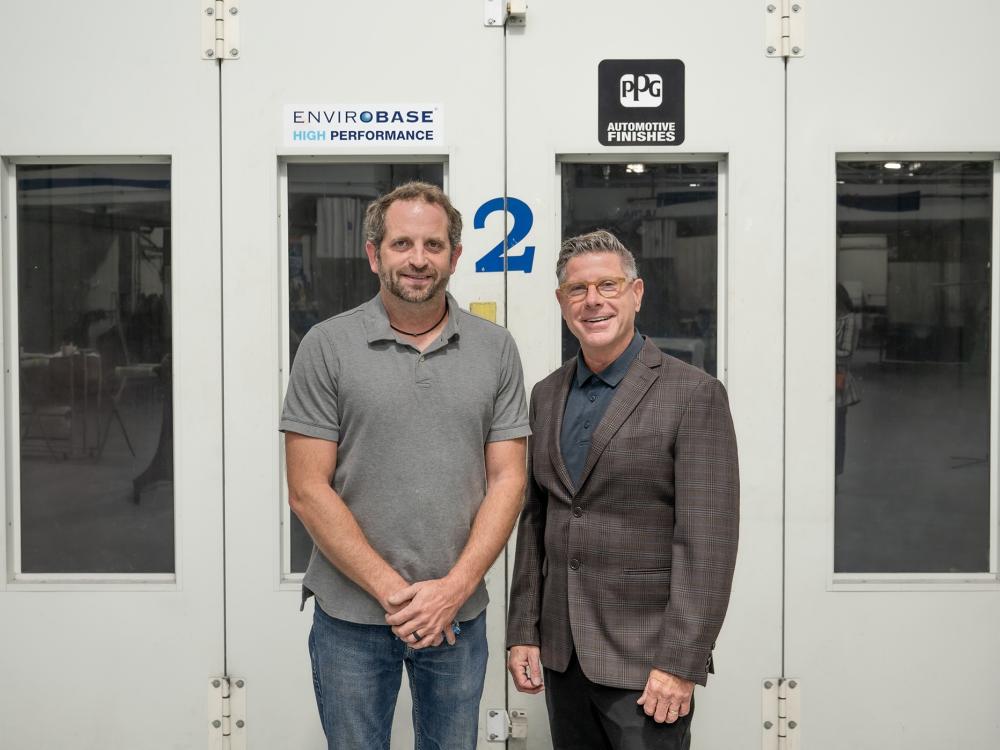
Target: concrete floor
{"x":78,"y":514}
{"x":914,"y":495}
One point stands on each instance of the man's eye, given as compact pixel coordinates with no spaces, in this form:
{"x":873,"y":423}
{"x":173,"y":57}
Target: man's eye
{"x":607,"y":285}
{"x":575,"y":290}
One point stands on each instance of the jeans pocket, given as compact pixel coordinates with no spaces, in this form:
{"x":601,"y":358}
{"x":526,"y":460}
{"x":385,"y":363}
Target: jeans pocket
{"x":317,"y":684}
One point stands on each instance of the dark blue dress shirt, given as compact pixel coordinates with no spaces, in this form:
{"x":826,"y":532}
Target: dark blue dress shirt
{"x":588,"y":399}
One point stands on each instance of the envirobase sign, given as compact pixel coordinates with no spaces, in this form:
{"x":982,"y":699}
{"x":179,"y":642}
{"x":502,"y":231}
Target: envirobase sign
{"x":640,"y":103}
{"x":338,"y":126}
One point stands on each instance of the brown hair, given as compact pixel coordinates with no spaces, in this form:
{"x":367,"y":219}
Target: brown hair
{"x":411,"y":191}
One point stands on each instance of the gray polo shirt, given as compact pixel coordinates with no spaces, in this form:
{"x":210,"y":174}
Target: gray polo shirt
{"x":411,"y":429}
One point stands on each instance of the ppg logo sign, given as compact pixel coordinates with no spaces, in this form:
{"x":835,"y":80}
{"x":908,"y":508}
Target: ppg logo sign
{"x":640,"y":90}
{"x":640,"y":103}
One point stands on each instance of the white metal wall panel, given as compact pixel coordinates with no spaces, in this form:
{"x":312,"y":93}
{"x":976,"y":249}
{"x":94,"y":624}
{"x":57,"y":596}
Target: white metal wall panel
{"x":734,"y":113}
{"x":902,"y":660}
{"x":323,"y":53}
{"x":93,"y":663}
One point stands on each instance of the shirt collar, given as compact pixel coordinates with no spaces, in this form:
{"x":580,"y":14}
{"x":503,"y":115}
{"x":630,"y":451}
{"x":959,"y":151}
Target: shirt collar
{"x":612,"y":374}
{"x":377,"y":328}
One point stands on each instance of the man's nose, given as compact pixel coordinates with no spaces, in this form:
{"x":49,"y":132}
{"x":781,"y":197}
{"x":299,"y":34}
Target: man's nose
{"x":593,"y":299}
{"x":418,"y":256}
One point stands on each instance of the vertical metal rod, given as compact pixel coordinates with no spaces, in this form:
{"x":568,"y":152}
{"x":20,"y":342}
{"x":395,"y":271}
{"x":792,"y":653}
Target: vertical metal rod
{"x":784,"y":376}
{"x":994,"y":559}
{"x":222,"y":391}
{"x":506,"y":249}
{"x":507,"y":557}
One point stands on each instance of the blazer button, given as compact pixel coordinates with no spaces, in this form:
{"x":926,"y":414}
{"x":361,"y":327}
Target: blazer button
{"x":577,"y":511}
{"x":574,"y":564}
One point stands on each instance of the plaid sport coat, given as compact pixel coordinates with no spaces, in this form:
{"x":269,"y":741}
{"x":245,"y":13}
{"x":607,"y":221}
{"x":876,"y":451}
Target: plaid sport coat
{"x":634,"y":567}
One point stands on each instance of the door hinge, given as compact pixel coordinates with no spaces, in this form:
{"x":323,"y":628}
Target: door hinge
{"x":227,"y":714}
{"x":780,"y":713}
{"x":786,"y":28}
{"x":501,"y":727}
{"x":220,"y":29}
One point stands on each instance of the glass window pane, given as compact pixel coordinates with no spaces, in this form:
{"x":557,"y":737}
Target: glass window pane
{"x":667,"y":215}
{"x":328,"y":270}
{"x":913,"y":366}
{"x":96,"y":428}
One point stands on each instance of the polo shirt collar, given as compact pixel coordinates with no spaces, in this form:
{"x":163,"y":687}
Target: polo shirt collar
{"x":613,"y":373}
{"x":377,"y":326}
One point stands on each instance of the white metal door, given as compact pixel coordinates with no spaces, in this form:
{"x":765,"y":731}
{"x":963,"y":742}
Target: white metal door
{"x":892,"y":597}
{"x":294,"y":191}
{"x":111,"y":588}
{"x":705,"y":211}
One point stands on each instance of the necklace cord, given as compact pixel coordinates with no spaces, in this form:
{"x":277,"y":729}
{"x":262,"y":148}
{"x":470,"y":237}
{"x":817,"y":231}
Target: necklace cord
{"x":407,"y":333}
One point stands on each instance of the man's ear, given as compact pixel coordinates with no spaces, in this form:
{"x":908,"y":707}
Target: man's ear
{"x":372,"y":252}
{"x":637,"y":289}
{"x":456,"y":252}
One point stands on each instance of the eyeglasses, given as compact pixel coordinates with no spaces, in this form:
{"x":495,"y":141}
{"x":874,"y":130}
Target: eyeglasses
{"x":608,"y":287}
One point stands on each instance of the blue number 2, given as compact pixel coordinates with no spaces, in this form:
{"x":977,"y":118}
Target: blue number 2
{"x":492,"y":262}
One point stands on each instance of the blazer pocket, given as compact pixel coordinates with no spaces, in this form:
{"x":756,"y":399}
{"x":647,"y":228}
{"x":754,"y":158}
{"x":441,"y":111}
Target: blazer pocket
{"x":648,"y":588}
{"x":639,"y":572}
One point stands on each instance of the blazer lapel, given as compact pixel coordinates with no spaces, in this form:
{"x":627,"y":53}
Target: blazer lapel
{"x":562,"y":391}
{"x":640,"y":376}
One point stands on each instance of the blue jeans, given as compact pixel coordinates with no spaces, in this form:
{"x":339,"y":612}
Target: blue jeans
{"x":356,"y":675}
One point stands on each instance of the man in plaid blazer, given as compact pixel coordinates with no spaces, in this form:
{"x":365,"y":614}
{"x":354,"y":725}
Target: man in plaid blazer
{"x":627,"y":541}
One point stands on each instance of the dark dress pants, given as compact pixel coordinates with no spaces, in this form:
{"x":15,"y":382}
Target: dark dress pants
{"x":586,"y":716}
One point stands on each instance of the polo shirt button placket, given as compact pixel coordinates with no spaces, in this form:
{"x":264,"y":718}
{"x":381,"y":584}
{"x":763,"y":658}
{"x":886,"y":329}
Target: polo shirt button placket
{"x":419,"y":375}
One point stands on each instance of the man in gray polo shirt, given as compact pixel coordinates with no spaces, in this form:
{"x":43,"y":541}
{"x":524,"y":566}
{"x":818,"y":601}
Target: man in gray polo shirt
{"x":405,"y":425}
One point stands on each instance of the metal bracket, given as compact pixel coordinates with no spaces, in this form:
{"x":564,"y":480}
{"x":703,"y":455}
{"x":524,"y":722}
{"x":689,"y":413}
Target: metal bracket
{"x":517,"y":12}
{"x":785,"y":28}
{"x":518,"y":725}
{"x":227,"y":714}
{"x":500,"y":727}
{"x":780,"y":713}
{"x":220,"y":29}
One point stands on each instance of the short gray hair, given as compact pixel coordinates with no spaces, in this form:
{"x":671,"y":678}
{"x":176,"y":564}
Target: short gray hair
{"x":598,"y":241}
{"x":411,"y":191}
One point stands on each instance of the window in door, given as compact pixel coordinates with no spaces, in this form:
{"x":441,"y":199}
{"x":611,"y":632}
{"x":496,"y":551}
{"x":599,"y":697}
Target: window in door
{"x":94,"y":482}
{"x":913,"y":374}
{"x":668,"y":216}
{"x":327,"y":268}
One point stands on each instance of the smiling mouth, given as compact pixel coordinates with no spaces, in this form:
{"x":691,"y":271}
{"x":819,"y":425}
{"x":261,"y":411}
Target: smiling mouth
{"x":598,"y":319}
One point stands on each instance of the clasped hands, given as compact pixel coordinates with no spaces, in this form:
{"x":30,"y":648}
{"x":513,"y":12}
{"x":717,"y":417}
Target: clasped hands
{"x":422,"y":613}
{"x":665,"y":698}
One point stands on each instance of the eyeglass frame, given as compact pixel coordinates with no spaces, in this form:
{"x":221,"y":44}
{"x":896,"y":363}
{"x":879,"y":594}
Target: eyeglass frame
{"x":621,"y":281}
